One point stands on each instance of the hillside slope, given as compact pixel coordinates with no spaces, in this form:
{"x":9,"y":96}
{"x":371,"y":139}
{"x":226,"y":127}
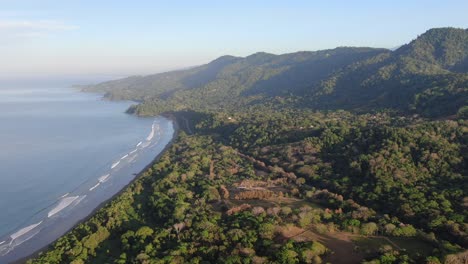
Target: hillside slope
{"x":258,"y":73}
{"x":260,"y":175}
{"x":262,"y":77}
{"x":427,"y":76}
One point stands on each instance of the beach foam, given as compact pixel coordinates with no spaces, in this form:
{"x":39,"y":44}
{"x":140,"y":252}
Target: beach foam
{"x":124,"y":156}
{"x":132,"y":158}
{"x":65,"y":195}
{"x":133,"y":151}
{"x":4,"y":249}
{"x":115,"y":164}
{"x":18,"y":238}
{"x":94,"y":187}
{"x":23,"y":231}
{"x":145,"y":144}
{"x":104,"y":178}
{"x":139,"y":143}
{"x":65,"y":202}
{"x":151,"y":134}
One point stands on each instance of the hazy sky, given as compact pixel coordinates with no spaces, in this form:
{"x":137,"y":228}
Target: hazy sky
{"x":123,"y":37}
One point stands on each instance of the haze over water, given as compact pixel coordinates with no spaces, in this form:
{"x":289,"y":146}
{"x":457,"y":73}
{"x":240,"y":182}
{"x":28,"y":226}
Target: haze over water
{"x":62,"y":153}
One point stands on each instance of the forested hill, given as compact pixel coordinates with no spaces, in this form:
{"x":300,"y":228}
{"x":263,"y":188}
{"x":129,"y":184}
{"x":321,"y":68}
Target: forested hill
{"x":229,"y":75}
{"x":428,"y":76}
{"x":260,"y":174}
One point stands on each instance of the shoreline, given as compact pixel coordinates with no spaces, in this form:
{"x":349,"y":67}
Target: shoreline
{"x":101,"y":205}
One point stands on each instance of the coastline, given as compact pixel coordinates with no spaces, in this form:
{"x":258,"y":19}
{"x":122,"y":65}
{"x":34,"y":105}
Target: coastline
{"x":176,"y":127}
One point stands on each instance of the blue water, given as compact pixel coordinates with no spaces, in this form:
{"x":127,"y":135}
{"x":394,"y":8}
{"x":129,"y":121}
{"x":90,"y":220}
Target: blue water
{"x":62,"y":153}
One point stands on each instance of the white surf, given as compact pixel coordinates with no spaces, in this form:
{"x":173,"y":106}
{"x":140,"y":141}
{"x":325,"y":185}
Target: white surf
{"x":65,"y":202}
{"x":104,"y":178}
{"x":94,"y":187}
{"x":151,"y":134}
{"x":115,"y":164}
{"x":23,"y":231}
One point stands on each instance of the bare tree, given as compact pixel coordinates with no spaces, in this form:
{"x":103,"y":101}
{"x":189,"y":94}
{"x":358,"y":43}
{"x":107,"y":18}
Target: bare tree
{"x":178,"y":227}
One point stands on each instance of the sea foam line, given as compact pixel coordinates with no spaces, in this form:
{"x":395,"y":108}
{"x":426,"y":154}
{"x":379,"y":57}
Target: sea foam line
{"x":23,"y":231}
{"x":132,"y":158}
{"x":19,"y":237}
{"x":94,"y":187}
{"x":104,"y":178}
{"x":65,"y":202}
{"x":124,"y":156}
{"x":151,"y":134}
{"x":115,"y":164}
{"x":146,"y":144}
{"x":133,"y":151}
{"x":139,"y":143}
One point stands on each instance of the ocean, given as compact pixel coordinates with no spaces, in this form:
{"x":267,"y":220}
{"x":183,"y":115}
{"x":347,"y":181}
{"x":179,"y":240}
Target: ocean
{"x":62,"y":153}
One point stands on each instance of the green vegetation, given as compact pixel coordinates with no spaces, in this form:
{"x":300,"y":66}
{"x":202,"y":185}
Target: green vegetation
{"x":267,"y":174}
{"x":213,"y":196}
{"x":428,"y":76}
{"x":175,"y":213}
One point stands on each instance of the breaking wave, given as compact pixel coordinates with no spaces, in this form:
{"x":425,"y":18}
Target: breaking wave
{"x":151,"y":134}
{"x":24,"y":230}
{"x":104,"y":178}
{"x":115,"y":164}
{"x":124,"y":156}
{"x":132,"y":158}
{"x":145,"y":144}
{"x":64,"y":203}
{"x":139,"y":143}
{"x":19,"y":237}
{"x":95,"y":186}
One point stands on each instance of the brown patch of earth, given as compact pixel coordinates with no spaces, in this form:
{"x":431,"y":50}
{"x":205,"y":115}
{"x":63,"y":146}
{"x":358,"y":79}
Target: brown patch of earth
{"x":343,"y":250}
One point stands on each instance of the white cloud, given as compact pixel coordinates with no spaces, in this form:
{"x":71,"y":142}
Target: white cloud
{"x":42,"y":25}
{"x":13,"y":29}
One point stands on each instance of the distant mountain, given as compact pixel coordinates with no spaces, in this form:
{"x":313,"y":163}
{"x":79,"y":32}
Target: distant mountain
{"x":427,"y":76}
{"x":241,"y":73}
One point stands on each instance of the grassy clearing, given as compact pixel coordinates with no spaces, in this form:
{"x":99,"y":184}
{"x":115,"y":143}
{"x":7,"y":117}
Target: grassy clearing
{"x":413,"y":246}
{"x":293,"y":203}
{"x":253,"y":203}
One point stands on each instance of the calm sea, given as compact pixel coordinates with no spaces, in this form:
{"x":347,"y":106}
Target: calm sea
{"x":62,"y":153}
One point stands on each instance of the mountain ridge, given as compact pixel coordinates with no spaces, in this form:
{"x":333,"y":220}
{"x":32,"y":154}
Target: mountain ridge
{"x":432,"y":67}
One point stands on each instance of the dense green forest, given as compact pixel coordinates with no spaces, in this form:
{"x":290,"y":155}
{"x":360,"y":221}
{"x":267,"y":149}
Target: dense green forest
{"x":351,"y":155}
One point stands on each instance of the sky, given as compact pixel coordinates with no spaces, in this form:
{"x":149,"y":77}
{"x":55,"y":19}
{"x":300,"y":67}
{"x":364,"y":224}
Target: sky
{"x":43,"y":38}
